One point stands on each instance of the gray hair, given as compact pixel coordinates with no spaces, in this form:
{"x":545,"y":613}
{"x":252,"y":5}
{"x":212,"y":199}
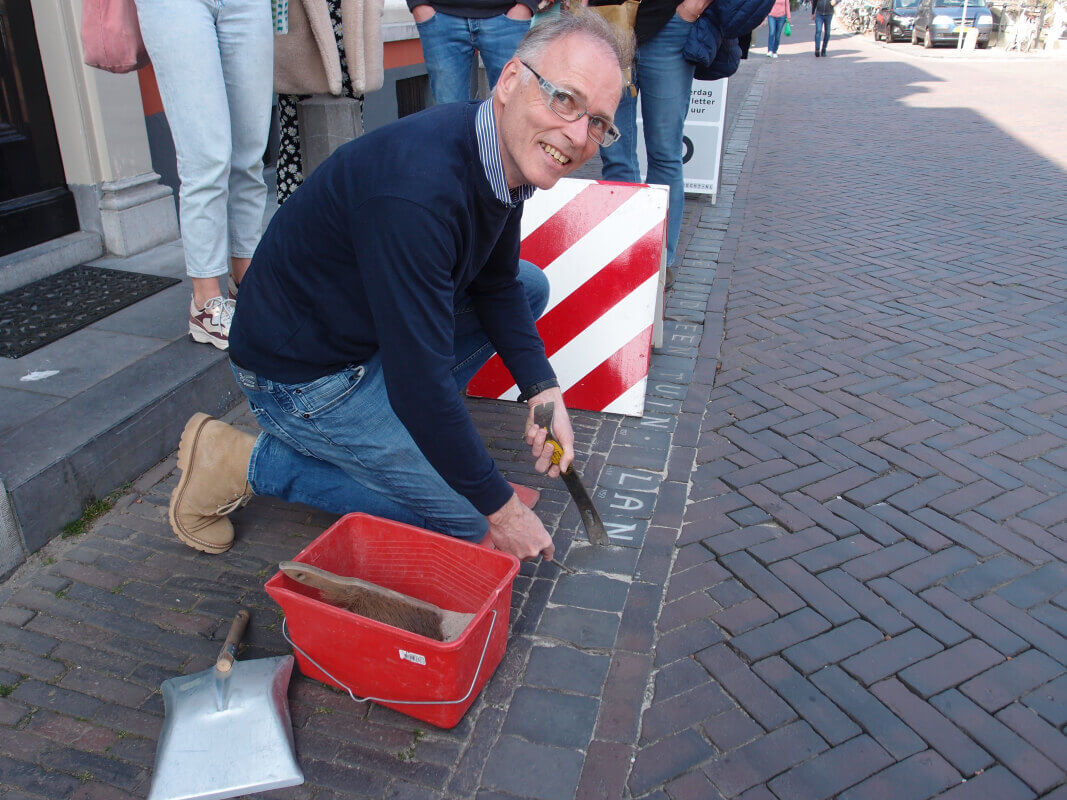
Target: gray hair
{"x":577,"y":21}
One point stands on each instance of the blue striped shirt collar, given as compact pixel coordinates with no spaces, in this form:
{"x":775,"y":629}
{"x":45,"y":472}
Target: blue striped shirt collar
{"x":489,"y":152}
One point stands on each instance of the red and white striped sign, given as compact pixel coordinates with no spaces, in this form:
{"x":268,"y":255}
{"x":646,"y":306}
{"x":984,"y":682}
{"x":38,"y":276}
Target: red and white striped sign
{"x":601,"y":245}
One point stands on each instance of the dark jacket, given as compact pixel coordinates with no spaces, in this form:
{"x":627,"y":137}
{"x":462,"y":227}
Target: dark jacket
{"x":712,"y":43}
{"x":825,"y":7}
{"x":652,"y":15}
{"x":371,"y":255}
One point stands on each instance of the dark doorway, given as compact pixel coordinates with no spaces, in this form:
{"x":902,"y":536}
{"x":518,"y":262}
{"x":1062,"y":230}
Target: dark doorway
{"x":35,"y":204}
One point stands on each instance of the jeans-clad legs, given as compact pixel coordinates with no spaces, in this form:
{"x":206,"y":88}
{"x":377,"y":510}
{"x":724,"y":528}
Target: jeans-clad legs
{"x":822,"y":31}
{"x":449,"y":45}
{"x":214,"y":66}
{"x":664,"y":79}
{"x":775,"y":26}
{"x":352,"y":453}
{"x":619,"y":162}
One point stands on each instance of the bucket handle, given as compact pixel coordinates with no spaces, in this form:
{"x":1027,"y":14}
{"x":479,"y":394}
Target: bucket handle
{"x":477,"y":671}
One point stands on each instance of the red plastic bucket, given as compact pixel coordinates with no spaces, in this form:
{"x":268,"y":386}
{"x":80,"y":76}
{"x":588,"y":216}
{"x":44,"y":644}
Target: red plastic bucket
{"x":433,"y":681}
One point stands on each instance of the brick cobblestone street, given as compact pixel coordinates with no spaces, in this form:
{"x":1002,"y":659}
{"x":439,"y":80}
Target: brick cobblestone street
{"x":840,"y":530}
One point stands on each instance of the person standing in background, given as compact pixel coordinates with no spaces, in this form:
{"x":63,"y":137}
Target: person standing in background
{"x":822,"y":11}
{"x":327,"y":47}
{"x":290,"y":159}
{"x":453,"y":31}
{"x":213,"y":64}
{"x":664,"y":80}
{"x":776,"y":21}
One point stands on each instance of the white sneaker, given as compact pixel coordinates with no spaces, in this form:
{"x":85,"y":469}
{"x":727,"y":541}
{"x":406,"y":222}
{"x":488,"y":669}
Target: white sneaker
{"x":211,"y":324}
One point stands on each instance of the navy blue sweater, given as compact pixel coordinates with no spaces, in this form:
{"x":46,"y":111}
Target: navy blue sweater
{"x":371,"y":254}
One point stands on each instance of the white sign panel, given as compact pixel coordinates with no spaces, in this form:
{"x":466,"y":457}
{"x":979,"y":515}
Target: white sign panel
{"x":701,"y":138}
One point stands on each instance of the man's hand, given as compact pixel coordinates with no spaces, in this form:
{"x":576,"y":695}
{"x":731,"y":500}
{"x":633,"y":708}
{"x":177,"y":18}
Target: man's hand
{"x":519,"y":11}
{"x":516,"y":529}
{"x":690,"y":10}
{"x":422,"y":13}
{"x":561,"y":427}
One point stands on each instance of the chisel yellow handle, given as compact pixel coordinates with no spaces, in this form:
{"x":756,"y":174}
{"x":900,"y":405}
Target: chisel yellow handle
{"x":543,"y":419}
{"x":557,"y":450}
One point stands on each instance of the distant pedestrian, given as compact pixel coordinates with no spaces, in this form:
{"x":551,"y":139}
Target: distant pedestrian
{"x":744,"y":41}
{"x":776,"y":21}
{"x":822,"y":11}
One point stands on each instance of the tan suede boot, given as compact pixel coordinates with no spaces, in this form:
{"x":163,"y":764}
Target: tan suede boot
{"x":213,"y":458}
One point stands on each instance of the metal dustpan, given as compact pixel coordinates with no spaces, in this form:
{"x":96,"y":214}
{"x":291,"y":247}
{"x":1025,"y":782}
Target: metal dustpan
{"x":227,"y":730}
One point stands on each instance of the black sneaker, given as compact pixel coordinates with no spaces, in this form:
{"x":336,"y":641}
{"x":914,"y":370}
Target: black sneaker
{"x":816,"y":53}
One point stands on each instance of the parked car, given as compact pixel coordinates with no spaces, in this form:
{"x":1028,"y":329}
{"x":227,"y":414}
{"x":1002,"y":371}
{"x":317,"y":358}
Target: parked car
{"x":939,"y":21}
{"x":895,"y":19}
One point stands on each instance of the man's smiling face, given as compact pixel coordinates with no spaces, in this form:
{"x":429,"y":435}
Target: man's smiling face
{"x":536,"y":146}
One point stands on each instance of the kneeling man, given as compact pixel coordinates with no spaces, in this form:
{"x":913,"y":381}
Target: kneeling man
{"x":382,"y":286}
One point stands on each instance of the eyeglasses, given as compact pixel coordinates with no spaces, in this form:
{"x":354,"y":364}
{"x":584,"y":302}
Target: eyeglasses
{"x":568,"y":107}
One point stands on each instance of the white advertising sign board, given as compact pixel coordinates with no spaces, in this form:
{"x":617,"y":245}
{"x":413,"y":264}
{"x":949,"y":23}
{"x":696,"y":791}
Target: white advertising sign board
{"x":701,"y":137}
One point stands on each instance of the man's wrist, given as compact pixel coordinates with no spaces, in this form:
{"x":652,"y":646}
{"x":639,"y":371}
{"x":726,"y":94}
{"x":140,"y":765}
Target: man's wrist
{"x":505,"y":511}
{"x":537,"y":388}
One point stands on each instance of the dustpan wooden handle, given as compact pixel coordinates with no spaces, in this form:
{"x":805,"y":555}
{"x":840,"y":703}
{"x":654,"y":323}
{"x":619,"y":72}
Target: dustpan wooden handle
{"x":224,"y":663}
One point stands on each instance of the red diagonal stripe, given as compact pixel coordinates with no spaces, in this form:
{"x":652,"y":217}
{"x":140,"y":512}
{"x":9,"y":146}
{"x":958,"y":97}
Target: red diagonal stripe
{"x":605,"y":289}
{"x":617,"y":374}
{"x":492,"y":380}
{"x":585,"y":211}
{"x":581,"y":308}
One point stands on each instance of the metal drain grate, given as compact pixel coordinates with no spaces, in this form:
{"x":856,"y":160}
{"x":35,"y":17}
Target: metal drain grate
{"x":46,"y":310}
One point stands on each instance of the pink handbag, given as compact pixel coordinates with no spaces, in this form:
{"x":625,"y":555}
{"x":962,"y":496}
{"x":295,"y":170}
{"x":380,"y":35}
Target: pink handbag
{"x":111,"y":36}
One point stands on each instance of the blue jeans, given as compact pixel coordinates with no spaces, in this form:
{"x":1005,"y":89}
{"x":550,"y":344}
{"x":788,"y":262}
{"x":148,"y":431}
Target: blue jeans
{"x":336,"y":444}
{"x":822,"y":30}
{"x":664,"y":79}
{"x":214,"y":67}
{"x":449,"y":44}
{"x":775,"y":26}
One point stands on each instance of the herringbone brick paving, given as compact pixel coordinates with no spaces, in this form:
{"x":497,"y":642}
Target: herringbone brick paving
{"x":878,"y":507}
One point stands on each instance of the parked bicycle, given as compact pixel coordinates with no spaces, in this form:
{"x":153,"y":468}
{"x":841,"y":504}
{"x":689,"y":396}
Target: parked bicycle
{"x":1022,"y":31}
{"x":856,"y":17}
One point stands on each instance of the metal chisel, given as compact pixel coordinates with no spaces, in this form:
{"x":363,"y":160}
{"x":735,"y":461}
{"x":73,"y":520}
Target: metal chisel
{"x":594,"y":526}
